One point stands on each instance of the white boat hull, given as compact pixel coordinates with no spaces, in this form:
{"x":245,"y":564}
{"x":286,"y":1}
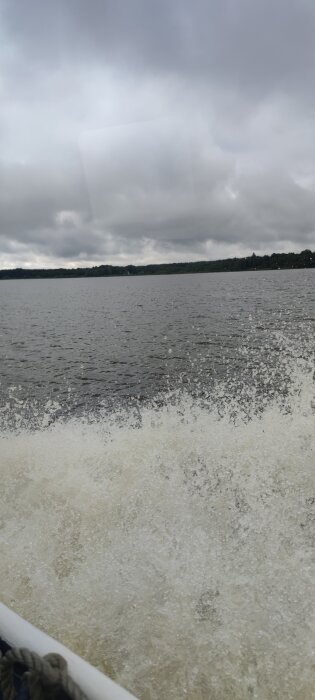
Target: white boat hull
{"x":20,"y":633}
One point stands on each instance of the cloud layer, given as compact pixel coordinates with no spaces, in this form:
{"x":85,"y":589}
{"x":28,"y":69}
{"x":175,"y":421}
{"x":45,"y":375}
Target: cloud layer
{"x":151,"y":131}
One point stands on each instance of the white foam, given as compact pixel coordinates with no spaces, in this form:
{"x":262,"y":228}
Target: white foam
{"x":177,"y":553}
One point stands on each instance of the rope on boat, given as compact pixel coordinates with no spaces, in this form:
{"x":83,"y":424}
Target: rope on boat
{"x":46,"y":677}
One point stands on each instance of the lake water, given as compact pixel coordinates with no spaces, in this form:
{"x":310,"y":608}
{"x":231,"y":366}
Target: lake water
{"x":158,"y":477}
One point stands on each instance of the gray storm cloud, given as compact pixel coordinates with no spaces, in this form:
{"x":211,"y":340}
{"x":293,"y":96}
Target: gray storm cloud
{"x":152,"y":131}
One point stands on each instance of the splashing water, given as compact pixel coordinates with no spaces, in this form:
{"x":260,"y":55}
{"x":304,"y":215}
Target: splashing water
{"x":172,"y":546}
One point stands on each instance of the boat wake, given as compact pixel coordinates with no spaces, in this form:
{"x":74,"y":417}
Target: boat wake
{"x":173,"y":544}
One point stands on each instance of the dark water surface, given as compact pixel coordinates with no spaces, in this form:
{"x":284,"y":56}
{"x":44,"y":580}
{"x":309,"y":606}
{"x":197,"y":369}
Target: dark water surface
{"x":84,"y":342}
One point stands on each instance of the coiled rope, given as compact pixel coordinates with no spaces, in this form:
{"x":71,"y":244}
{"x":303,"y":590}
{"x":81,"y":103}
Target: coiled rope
{"x":46,"y":677}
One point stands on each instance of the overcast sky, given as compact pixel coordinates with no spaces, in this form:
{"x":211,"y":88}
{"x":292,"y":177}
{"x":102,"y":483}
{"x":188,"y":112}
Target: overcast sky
{"x":139,"y":131}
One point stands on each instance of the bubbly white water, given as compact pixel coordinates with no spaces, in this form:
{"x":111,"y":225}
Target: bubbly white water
{"x":174,"y":548}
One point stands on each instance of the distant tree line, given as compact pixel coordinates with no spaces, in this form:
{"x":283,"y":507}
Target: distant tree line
{"x":276,"y":261}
